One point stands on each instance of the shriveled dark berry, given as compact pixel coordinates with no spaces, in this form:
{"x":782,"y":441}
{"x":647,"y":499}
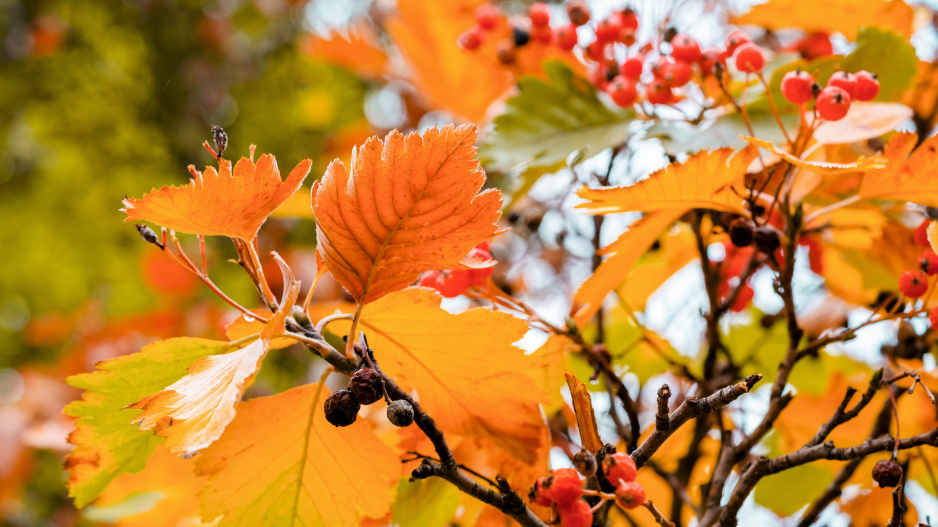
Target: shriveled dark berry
{"x":400,"y":413}
{"x":341,"y":408}
{"x":887,"y":473}
{"x":585,"y":463}
{"x":741,"y":232}
{"x":767,"y":239}
{"x":520,"y":36}
{"x":367,"y":386}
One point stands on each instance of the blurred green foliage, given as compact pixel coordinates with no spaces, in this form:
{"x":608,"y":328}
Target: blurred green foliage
{"x":99,"y":100}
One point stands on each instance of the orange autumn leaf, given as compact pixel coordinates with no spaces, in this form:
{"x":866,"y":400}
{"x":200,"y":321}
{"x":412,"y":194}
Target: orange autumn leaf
{"x":409,"y":205}
{"x":909,"y":174}
{"x":281,"y":463}
{"x":463,"y":82}
{"x":194,"y":411}
{"x":831,"y":16}
{"x":223,"y":203}
{"x":821,"y":167}
{"x":357,"y":50}
{"x":705,"y":180}
{"x":624,"y":252}
{"x":473,"y":382}
{"x":172,"y":479}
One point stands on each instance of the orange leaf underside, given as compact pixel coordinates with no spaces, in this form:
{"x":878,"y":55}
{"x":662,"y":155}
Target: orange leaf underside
{"x":223,"y":203}
{"x":409,"y":205}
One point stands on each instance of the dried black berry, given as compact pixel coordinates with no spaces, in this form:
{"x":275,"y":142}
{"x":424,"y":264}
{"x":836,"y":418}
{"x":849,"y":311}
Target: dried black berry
{"x":887,"y":473}
{"x":341,"y":408}
{"x":741,"y":232}
{"x":585,"y":463}
{"x":767,"y":240}
{"x":400,"y":413}
{"x":367,"y":386}
{"x":520,"y":36}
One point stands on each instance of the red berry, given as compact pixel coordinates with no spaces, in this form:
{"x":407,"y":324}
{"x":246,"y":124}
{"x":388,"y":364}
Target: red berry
{"x":566,"y":37}
{"x":487,"y":16}
{"x":709,"y":58}
{"x":749,"y":58}
{"x":735,"y":39}
{"x":576,"y":514}
{"x":684,"y":47}
{"x":608,"y":28}
{"x":867,"y":85}
{"x":913,"y":284}
{"x":630,"y":495}
{"x":815,"y":45}
{"x":595,"y":50}
{"x":622,"y":91}
{"x":832,"y":103}
{"x":796,"y":86}
{"x":933,"y":318}
{"x":564,"y":486}
{"x":921,"y":233}
{"x":675,"y":73}
{"x":928,"y":262}
{"x":629,"y":19}
{"x":619,"y":466}
{"x":844,"y":81}
{"x":540,"y":14}
{"x":432,"y":279}
{"x":470,"y":39}
{"x":544,"y":35}
{"x":658,"y":92}
{"x":578,"y":12}
{"x":626,"y":36}
{"x":454,"y":283}
{"x":539,"y":495}
{"x":742,"y":299}
{"x":632,"y":67}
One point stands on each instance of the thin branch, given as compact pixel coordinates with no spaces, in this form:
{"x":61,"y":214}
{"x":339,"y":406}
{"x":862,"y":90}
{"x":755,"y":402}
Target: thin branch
{"x":692,"y":407}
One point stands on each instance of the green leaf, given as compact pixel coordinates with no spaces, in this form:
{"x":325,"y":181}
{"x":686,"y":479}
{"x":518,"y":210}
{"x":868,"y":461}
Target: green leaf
{"x":424,"y":502}
{"x":887,"y":54}
{"x":788,"y":491}
{"x":106,"y":443}
{"x":548,"y":121}
{"x":880,"y":51}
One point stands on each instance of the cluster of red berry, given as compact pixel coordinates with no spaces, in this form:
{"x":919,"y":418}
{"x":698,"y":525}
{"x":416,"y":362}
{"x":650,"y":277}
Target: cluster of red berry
{"x":563,"y":488}
{"x":832,"y":102}
{"x":914,"y":283}
{"x":455,"y":282}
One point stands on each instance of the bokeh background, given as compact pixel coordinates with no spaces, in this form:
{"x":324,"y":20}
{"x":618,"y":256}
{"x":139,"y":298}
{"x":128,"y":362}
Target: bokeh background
{"x":109,"y":98}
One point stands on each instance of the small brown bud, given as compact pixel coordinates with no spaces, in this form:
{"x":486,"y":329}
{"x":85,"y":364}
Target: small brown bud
{"x":887,"y":473}
{"x":149,"y":236}
{"x":221,"y":139}
{"x":585,"y":463}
